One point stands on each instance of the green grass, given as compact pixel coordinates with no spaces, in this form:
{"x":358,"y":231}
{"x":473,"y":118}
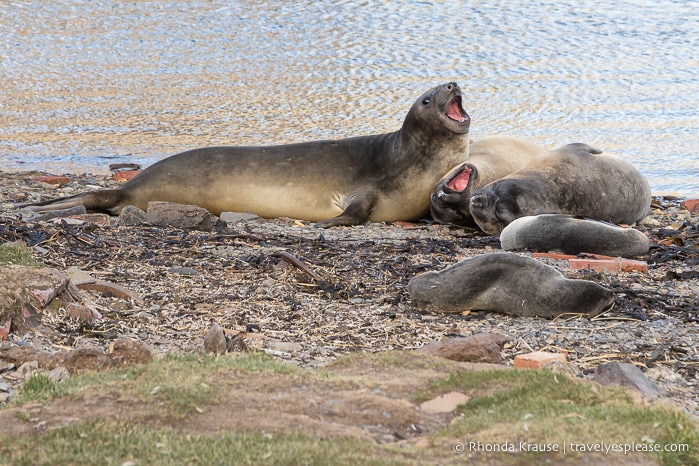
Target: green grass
{"x":17,"y":253}
{"x":100,"y":442}
{"x":540,"y":406}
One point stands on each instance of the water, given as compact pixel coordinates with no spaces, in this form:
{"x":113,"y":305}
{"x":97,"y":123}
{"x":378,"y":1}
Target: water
{"x":87,"y":83}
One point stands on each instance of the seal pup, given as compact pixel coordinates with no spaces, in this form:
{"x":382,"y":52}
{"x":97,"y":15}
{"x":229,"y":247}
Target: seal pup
{"x":575,"y":179}
{"x":490,"y":158}
{"x":568,"y":235}
{"x":379,"y":178}
{"x":510,"y":284}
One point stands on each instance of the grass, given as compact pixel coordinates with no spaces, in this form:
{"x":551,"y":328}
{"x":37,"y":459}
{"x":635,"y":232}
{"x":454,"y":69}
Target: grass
{"x":17,"y":253}
{"x":505,"y":406}
{"x":543,"y":407}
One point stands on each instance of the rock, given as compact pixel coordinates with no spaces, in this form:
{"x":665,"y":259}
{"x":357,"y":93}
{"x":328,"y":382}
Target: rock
{"x":183,"y":216}
{"x":629,"y":376}
{"x":691,"y":205}
{"x":571,"y":370}
{"x":28,"y":368}
{"x":85,"y":313}
{"x":4,"y":397}
{"x":79,"y":277}
{"x":215,"y":340}
{"x":59,"y":374}
{"x":83,"y":359}
{"x":537,"y":359}
{"x":63,"y":213}
{"x":115,"y":167}
{"x":5,"y":366}
{"x":482,"y":347}
{"x":234,"y":217}
{"x":125,"y":352}
{"x":444,"y":403}
{"x":5,"y":387}
{"x":132,"y":215}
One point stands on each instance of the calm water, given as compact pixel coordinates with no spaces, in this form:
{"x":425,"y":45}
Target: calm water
{"x":88,"y":83}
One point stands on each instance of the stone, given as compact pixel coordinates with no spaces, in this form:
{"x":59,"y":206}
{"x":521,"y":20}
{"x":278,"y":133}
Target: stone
{"x":235,"y":217}
{"x":215,"y":340}
{"x":183,"y":271}
{"x":629,"y":376}
{"x":125,"y":352}
{"x":59,"y":374}
{"x":79,"y":277}
{"x":537,"y":359}
{"x":5,"y":387}
{"x":85,"y":313}
{"x":83,"y":359}
{"x":5,"y":330}
{"x":183,"y":216}
{"x":28,"y":368}
{"x":131,"y":216}
{"x":444,"y":403}
{"x":482,"y":347}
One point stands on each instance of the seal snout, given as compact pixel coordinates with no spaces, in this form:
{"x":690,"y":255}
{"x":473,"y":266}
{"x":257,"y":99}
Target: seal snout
{"x":479,"y":201}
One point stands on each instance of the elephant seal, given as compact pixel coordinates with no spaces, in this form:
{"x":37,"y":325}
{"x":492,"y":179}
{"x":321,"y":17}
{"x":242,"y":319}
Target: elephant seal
{"x":490,"y":159}
{"x":510,"y":284}
{"x":379,"y":178}
{"x":567,"y":235}
{"x":575,"y":180}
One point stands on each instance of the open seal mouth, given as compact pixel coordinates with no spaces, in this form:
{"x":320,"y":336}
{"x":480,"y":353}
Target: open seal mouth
{"x":461,"y":180}
{"x":455,"y":110}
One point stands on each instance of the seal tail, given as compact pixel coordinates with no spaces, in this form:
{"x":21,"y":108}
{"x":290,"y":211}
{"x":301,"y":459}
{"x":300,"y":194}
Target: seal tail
{"x":108,"y":201}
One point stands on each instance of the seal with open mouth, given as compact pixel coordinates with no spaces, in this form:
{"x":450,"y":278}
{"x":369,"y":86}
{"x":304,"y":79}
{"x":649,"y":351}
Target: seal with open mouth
{"x":379,"y":178}
{"x":490,"y":158}
{"x":575,"y":179}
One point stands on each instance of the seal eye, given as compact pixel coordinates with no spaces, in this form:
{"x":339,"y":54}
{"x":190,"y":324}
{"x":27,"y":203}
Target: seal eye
{"x":426,"y":101}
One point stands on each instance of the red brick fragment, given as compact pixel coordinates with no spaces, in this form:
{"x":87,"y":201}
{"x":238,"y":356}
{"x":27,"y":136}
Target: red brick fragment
{"x":5,"y":330}
{"x":629,"y":265}
{"x":125,"y":175}
{"x":554,"y":256}
{"x":537,"y":359}
{"x":55,"y":180}
{"x":601,"y":266}
{"x":691,"y":205}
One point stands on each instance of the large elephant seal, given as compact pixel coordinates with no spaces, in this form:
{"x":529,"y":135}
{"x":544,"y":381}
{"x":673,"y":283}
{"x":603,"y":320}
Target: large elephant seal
{"x":567,"y":235}
{"x":490,"y":159}
{"x":575,"y":180}
{"x":379,"y":178}
{"x":510,"y":284}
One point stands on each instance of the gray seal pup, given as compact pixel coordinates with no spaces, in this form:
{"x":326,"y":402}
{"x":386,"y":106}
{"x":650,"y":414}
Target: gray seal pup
{"x":575,"y":179}
{"x":490,"y":159}
{"x":568,"y":235}
{"x":510,"y":284}
{"x":378,"y":178}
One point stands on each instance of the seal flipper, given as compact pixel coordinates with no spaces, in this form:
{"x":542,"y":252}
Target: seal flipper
{"x":109,"y":201}
{"x":356,"y":213}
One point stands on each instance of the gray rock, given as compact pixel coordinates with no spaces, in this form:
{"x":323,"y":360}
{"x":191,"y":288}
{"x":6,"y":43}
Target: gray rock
{"x":215,"y":340}
{"x":234,"y":217}
{"x":5,"y":387}
{"x":183,"y":216}
{"x":59,"y":374}
{"x":131,"y":215}
{"x":183,"y":271}
{"x":629,"y":376}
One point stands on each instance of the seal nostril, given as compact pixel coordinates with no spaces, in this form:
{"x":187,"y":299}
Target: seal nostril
{"x":478,"y":201}
{"x":450,"y":86}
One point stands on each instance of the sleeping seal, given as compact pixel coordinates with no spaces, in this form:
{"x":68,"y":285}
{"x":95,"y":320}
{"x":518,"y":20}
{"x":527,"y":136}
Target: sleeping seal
{"x":379,"y":178}
{"x":510,"y":284}
{"x":567,"y":235}
{"x":575,"y":180}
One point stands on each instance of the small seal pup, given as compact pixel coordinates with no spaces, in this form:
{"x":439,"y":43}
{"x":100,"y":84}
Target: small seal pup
{"x":510,"y":284}
{"x":568,"y":235}
{"x":379,"y":178}
{"x":575,"y":180}
{"x":490,"y":158}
